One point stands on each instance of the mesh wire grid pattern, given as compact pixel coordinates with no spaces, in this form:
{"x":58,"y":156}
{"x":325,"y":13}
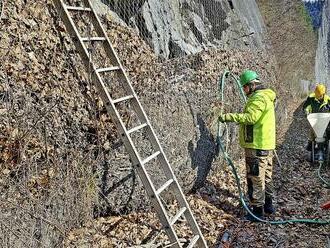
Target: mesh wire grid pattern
{"x":183,"y":67}
{"x":175,"y":28}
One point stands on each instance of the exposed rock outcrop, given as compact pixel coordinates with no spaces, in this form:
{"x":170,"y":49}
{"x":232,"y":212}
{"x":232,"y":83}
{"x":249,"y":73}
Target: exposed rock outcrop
{"x":249,"y":10}
{"x":182,"y":27}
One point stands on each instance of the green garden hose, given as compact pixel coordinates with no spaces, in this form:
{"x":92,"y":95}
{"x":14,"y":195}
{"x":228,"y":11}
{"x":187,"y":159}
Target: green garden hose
{"x":229,"y":161}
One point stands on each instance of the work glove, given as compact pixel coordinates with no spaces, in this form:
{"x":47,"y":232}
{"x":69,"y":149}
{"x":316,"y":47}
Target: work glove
{"x":222,"y":118}
{"x":327,"y":107}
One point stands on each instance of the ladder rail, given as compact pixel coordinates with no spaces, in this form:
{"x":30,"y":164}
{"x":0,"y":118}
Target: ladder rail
{"x":64,"y":13}
{"x":141,"y":113}
{"x":139,"y":109}
{"x":111,"y":108}
{"x":109,"y":104}
{"x":87,"y":63}
{"x":113,"y":54}
{"x":97,"y":79}
{"x":101,"y":32}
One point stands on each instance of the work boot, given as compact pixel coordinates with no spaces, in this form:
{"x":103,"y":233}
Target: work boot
{"x":258,"y":212}
{"x":269,"y":207}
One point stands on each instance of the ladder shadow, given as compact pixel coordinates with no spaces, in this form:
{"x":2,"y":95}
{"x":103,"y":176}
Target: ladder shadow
{"x":106,"y":206}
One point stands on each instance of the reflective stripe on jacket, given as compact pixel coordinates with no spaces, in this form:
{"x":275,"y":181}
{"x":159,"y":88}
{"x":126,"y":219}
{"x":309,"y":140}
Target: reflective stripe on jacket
{"x":257,"y":122}
{"x":313,"y":105}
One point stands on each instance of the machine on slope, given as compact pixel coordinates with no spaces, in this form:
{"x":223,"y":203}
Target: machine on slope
{"x":321,"y":145}
{"x":320,"y":152}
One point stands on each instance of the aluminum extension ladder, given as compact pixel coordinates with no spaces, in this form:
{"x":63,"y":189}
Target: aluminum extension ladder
{"x":97,"y":75}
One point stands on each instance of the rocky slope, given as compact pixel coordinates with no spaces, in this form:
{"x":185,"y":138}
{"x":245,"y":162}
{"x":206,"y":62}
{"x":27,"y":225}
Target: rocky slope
{"x":61,"y":160}
{"x":293,"y":41}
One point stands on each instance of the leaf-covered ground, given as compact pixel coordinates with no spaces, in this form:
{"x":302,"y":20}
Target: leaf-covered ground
{"x":299,"y":194}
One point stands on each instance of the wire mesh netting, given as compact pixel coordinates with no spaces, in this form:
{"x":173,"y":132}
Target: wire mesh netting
{"x":66,"y":163}
{"x":176,"y":28}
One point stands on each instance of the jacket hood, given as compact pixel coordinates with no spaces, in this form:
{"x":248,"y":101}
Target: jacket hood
{"x":268,"y":92}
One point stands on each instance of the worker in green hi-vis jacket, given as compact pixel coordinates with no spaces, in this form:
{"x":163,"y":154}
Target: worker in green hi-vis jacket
{"x":316,"y":102}
{"x":257,"y":137}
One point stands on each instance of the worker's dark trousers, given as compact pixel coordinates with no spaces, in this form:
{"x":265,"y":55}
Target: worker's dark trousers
{"x":259,"y":170}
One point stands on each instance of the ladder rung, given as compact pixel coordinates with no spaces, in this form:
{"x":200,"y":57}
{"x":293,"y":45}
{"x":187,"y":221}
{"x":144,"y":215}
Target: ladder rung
{"x":165,"y":186}
{"x":177,"y":216}
{"x":137,"y":128}
{"x":75,"y":8}
{"x":193,"y":241}
{"x":123,"y":99}
{"x":114,"y":68}
{"x":93,"y":39}
{"x":151,"y":157}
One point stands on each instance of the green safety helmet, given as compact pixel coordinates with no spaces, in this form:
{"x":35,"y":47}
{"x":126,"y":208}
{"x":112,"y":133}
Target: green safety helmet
{"x":247,"y":76}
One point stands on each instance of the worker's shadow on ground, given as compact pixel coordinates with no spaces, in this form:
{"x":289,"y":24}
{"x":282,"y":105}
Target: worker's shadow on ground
{"x":202,"y":157}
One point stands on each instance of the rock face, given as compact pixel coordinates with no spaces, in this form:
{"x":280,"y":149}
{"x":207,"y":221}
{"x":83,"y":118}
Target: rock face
{"x":249,"y":11}
{"x":322,"y":65}
{"x":182,"y":27}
